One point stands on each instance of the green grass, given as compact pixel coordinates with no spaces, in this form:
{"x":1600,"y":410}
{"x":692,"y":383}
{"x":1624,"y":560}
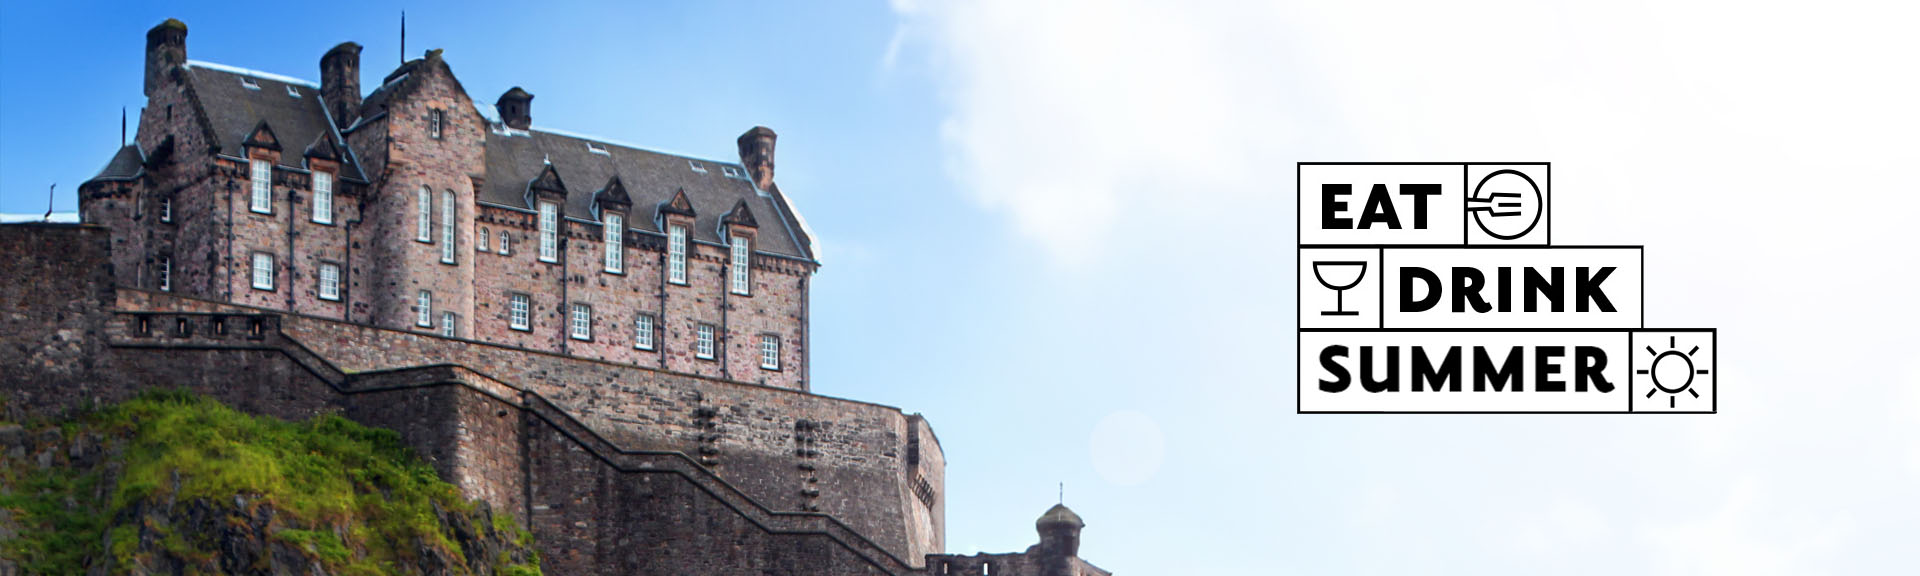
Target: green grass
{"x":318,"y":474}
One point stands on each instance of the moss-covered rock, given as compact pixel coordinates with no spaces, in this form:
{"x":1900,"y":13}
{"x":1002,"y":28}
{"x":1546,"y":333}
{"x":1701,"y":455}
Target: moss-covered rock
{"x":171,"y":483}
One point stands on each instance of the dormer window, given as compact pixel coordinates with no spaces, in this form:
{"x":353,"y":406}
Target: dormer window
{"x":436,"y":120}
{"x":262,"y":187}
{"x":696,"y":167}
{"x":249,"y":83}
{"x":741,"y":266}
{"x":677,"y":254}
{"x":322,"y":198}
{"x":596,"y":148}
{"x":294,"y":92}
{"x":549,"y":232}
{"x":614,"y":230}
{"x":733,"y":172}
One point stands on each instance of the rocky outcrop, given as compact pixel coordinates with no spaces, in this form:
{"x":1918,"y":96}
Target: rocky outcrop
{"x":110,"y":494}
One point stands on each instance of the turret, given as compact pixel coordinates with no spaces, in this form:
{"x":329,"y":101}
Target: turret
{"x":166,"y":48}
{"x":340,"y":83}
{"x":516,"y":108}
{"x":1059,"y":541}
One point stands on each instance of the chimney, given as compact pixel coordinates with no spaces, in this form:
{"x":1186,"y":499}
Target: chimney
{"x":516,"y":108}
{"x":340,"y":83}
{"x":166,"y":48}
{"x":756,"y":153}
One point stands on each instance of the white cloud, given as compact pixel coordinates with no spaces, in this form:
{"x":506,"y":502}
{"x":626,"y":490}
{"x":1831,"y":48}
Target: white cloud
{"x":1763,"y":154}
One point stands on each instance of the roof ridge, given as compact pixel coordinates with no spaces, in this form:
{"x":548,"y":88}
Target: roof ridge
{"x":281,"y":78}
{"x":628,"y":145}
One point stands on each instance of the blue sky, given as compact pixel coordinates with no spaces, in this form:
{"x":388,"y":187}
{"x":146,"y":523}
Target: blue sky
{"x":1063,"y":232}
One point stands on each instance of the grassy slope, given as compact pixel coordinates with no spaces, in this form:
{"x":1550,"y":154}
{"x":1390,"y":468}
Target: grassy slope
{"x":353,"y":498}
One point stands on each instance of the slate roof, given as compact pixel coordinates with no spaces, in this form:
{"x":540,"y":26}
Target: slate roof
{"x":235,"y":110}
{"x":516,"y":158}
{"x":126,"y":165}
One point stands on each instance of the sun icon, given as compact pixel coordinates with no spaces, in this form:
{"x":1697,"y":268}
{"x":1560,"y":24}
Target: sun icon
{"x":1672,"y":371}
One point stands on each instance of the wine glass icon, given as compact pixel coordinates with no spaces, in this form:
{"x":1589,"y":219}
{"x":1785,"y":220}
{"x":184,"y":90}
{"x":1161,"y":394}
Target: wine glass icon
{"x":1335,"y":268}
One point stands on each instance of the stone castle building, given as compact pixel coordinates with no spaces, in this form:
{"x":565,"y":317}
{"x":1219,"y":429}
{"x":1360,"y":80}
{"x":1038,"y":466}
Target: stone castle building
{"x":608,"y":341}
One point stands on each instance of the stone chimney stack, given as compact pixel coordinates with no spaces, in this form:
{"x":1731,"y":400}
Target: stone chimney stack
{"x":340,"y":83}
{"x":516,"y":108}
{"x":166,"y":48}
{"x":756,"y":153}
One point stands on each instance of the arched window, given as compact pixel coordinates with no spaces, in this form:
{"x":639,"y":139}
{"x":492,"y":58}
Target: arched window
{"x":424,"y":219}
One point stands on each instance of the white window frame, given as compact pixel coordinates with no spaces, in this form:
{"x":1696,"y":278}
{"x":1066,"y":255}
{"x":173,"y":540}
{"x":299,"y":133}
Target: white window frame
{"x":549,"y":232}
{"x":481,"y":244}
{"x":703,"y":342}
{"x":677,"y":254}
{"x":446,"y":227}
{"x":322,"y":198}
{"x":166,"y":274}
{"x":615,"y":231}
{"x":643,"y":332}
{"x":769,"y":352}
{"x":166,"y":209}
{"x":520,"y":312}
{"x":423,"y":221}
{"x":741,"y":266}
{"x":506,"y":241}
{"x":580,"y":322}
{"x":436,"y":123}
{"x":423,"y":309}
{"x":447,"y":325}
{"x":263,"y":271}
{"x":329,"y":281}
{"x":262,"y":175}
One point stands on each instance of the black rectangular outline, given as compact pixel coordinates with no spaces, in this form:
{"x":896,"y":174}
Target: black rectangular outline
{"x":1466,"y":169}
{"x":1715,"y":332}
{"x":1382,"y":310}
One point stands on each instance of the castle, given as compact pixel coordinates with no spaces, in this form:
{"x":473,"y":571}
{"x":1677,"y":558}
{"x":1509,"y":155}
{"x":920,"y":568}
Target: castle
{"x":608,"y":341}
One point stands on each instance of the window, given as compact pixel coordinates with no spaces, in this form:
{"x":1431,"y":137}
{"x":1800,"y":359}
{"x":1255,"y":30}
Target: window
{"x":165,"y":272}
{"x":518,"y":311}
{"x":424,"y":220}
{"x":696,"y":167}
{"x":742,"y":265}
{"x":769,"y":352}
{"x":262,"y":271}
{"x":549,"y":232}
{"x":322,"y":197}
{"x":505,"y":239}
{"x":329,"y":281}
{"x":596,"y":148}
{"x":435,"y":120}
{"x":249,"y":83}
{"x":703,"y":344}
{"x":732,"y":172}
{"x":677,"y":254}
{"x":446,"y":324}
{"x":481,"y":245}
{"x":446,"y":227}
{"x":166,"y":209}
{"x":582,"y":326}
{"x":423,"y":310}
{"x":614,"y":231}
{"x":643,"y":332}
{"x":262,"y":187}
{"x":294,"y":92}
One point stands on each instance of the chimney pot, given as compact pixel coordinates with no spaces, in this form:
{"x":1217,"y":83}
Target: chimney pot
{"x":516,"y":108}
{"x":756,"y":153}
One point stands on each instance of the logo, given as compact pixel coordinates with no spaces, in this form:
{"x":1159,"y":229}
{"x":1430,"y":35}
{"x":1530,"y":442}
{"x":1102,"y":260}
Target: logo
{"x":1436,"y":288}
